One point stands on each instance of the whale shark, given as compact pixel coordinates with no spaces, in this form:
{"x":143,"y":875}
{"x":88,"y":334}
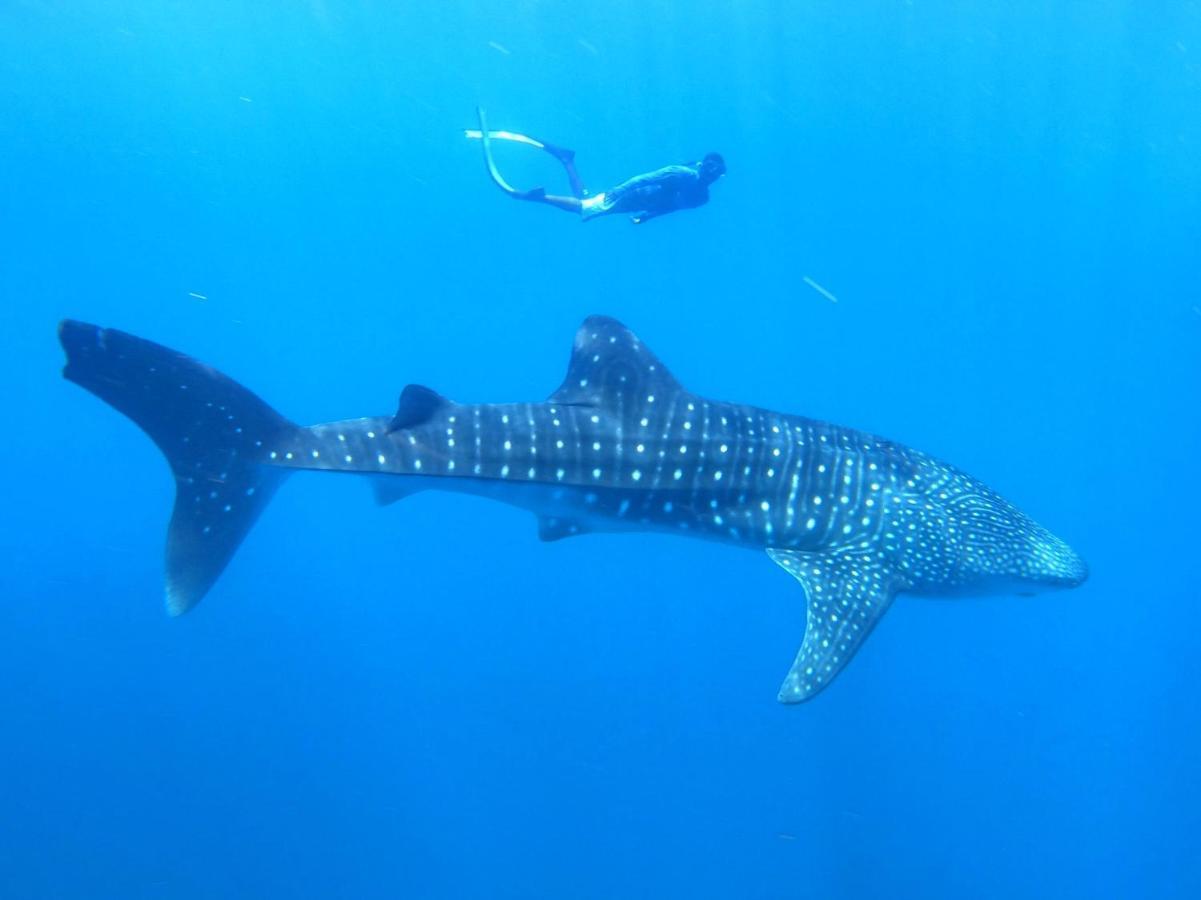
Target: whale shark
{"x":620,"y":446}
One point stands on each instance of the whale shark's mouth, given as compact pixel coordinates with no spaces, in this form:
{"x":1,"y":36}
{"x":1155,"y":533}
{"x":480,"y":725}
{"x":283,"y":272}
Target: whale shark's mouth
{"x":993,"y":586}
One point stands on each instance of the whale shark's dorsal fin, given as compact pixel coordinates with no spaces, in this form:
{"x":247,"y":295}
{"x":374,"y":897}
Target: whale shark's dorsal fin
{"x":848,"y":591}
{"x":418,"y":404}
{"x":609,"y":365}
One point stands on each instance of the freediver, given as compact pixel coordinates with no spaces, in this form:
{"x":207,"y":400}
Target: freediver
{"x":643,"y":197}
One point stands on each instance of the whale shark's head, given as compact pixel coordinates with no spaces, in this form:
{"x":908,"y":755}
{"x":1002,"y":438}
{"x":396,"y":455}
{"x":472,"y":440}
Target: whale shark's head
{"x":972,"y":540}
{"x":1051,"y":562}
{"x":1007,"y":552}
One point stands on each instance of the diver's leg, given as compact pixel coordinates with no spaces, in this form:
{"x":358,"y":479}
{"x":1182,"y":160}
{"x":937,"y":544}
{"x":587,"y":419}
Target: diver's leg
{"x":566,"y":158}
{"x":567,"y":204}
{"x":539,"y":195}
{"x":577,"y":186}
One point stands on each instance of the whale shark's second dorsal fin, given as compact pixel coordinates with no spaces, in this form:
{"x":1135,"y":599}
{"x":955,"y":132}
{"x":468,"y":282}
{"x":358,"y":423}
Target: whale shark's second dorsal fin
{"x":418,"y":404}
{"x":610,"y":368}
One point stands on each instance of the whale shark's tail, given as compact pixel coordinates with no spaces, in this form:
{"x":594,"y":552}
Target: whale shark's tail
{"x":209,"y":428}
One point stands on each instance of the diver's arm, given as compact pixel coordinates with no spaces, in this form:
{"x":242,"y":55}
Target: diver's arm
{"x":646,"y":216}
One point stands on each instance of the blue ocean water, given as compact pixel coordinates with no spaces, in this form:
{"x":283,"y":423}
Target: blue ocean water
{"x":426,"y":701}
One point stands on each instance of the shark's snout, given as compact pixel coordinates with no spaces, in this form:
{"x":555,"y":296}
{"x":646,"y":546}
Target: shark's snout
{"x":1055,"y":563}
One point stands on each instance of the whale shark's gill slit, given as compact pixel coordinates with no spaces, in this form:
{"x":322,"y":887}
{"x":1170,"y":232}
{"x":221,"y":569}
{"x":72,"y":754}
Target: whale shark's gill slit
{"x":211,"y":430}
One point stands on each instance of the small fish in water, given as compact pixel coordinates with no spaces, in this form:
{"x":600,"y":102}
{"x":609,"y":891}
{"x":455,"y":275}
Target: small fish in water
{"x":620,"y":446}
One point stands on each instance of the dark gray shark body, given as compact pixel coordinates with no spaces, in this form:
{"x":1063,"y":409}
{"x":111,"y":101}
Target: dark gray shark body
{"x":620,"y":446}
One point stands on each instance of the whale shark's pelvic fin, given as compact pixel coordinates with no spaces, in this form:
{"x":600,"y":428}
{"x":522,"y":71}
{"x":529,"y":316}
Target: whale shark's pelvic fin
{"x":555,"y":528}
{"x":848,"y":591}
{"x":390,"y":489}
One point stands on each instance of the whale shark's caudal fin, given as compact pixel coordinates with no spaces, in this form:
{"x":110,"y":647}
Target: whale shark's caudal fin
{"x":210,"y":429}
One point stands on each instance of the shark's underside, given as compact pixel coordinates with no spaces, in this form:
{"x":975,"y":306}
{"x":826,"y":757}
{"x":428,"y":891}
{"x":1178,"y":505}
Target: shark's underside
{"x":621,"y":445}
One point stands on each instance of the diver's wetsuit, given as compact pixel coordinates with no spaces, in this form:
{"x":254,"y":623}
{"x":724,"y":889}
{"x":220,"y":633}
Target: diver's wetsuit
{"x":653,"y":194}
{"x":642,"y":197}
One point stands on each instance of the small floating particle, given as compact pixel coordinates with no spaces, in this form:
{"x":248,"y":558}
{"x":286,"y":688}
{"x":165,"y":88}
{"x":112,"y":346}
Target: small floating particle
{"x":589,"y":47}
{"x":785,"y":836}
{"x":499,"y":48}
{"x":197,"y":296}
{"x":817,"y":287}
{"x":245,"y":99}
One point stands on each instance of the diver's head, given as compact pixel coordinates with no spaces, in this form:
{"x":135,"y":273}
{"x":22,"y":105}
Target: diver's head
{"x":711,"y":168}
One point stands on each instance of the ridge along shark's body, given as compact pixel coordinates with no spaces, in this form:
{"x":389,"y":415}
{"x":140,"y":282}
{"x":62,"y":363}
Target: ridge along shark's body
{"x":621,"y":445}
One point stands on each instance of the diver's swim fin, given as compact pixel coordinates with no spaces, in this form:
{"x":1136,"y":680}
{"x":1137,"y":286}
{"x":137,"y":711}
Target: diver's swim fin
{"x":486,"y":141}
{"x":562,"y":154}
{"x":565,"y":157}
{"x":477,"y":134}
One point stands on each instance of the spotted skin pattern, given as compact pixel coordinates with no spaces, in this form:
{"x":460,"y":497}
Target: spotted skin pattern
{"x":620,"y":446}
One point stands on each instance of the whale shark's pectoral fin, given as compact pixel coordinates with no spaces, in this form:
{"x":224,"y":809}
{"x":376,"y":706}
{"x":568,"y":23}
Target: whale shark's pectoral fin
{"x":847,"y":594}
